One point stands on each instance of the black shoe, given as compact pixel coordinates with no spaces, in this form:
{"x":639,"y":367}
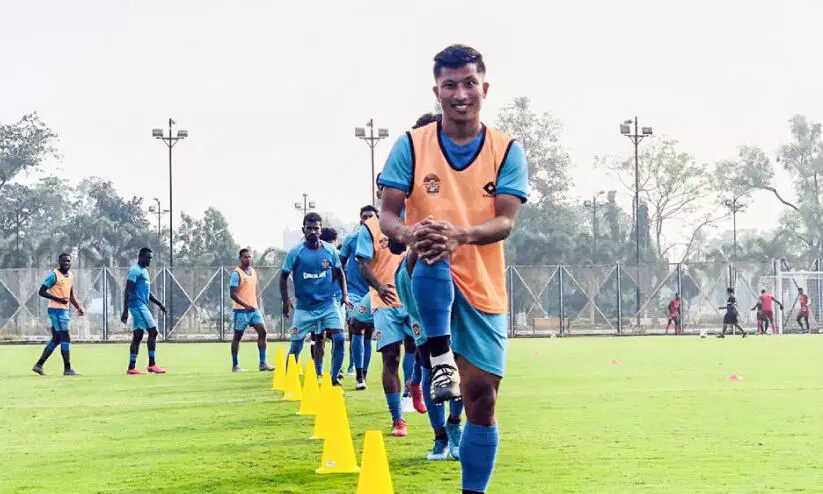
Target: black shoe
{"x":38,"y":369}
{"x":721,"y":336}
{"x":71,"y":372}
{"x":744,"y":334}
{"x":445,"y":383}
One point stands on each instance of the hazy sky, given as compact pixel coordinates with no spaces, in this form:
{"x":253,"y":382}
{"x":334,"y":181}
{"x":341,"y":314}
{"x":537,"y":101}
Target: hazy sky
{"x":271,"y":91}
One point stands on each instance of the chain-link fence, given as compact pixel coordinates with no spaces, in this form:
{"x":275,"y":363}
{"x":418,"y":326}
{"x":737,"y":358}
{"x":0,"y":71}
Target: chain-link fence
{"x":544,"y":300}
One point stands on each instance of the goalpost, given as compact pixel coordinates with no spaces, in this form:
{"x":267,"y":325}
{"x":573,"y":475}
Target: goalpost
{"x":786,"y":284}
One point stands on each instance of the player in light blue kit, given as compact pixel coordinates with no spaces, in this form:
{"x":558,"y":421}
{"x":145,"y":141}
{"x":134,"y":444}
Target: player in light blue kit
{"x":329,"y":235}
{"x":136,"y":302}
{"x":315,"y":266}
{"x":360,"y":320}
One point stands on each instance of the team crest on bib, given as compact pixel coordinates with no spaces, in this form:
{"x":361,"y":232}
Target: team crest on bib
{"x":384,"y":242}
{"x":416,"y":329}
{"x":361,"y":309}
{"x":325,"y":264}
{"x":432,"y":184}
{"x":378,"y":335}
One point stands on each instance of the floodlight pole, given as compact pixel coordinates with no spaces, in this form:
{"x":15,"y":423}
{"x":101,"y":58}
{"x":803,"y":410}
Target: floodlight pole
{"x":170,"y":141}
{"x":371,"y":140}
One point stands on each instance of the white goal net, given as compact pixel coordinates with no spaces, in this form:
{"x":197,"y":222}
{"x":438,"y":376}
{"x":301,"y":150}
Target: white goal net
{"x":787,"y":285}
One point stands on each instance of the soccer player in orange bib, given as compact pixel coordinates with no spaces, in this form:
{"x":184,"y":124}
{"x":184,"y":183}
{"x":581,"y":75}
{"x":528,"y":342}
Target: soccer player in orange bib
{"x":803,"y":313}
{"x":57,"y":288}
{"x":243,"y":294}
{"x":462,"y":184}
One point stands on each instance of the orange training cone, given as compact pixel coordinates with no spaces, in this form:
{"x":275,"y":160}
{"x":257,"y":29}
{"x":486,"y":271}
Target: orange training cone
{"x":311,"y":393}
{"x":321,"y":421}
{"x":735,"y":377}
{"x":374,"y":471}
{"x":338,"y":449}
{"x":279,"y":379}
{"x":293,"y":391}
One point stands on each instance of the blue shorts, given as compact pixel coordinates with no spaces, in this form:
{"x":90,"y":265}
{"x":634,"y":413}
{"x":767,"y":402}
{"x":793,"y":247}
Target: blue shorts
{"x":141,"y":317}
{"x":402,"y":282}
{"x":60,"y":320}
{"x":315,"y":321}
{"x":478,"y":337}
{"x":391,"y":324}
{"x":362,"y":308}
{"x":243,"y":318}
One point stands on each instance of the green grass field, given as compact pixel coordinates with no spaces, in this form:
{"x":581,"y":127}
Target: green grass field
{"x":665,"y":419}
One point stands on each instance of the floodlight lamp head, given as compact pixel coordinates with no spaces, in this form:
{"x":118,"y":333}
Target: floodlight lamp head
{"x":182,"y":134}
{"x":157,"y":133}
{"x":311,"y":205}
{"x":647,"y":131}
{"x":382,"y":133}
{"x":359,"y":132}
{"x":297,"y":205}
{"x":625,"y":129}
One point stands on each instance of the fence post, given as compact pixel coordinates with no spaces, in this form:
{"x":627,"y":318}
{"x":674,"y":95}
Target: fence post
{"x":778,"y":271}
{"x":511,"y":301}
{"x":682,"y":300}
{"x":105,"y":304}
{"x":222,"y":304}
{"x":819,"y":290}
{"x":166,"y":304}
{"x":563,"y":332}
{"x":619,"y":302}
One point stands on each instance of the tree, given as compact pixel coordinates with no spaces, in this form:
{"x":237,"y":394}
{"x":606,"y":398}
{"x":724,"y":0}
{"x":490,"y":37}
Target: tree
{"x":206,"y":242}
{"x":672,"y":186}
{"x":23,"y":146}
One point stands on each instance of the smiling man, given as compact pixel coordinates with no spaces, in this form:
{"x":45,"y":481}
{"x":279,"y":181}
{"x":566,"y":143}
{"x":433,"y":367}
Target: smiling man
{"x":462,"y":185}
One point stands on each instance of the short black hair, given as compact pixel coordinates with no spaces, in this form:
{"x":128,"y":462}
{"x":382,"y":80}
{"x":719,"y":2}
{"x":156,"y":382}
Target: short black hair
{"x":312,"y":218}
{"x":62,"y":255}
{"x":143,"y":252}
{"x":243,"y":251}
{"x":763,"y":291}
{"x":377,"y":178}
{"x":426,"y":119}
{"x":456,"y":56}
{"x":328,"y":234}
{"x":368,"y":207}
{"x":730,"y":290}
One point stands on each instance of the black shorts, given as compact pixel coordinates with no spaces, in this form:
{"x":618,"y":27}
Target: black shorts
{"x":730,"y":319}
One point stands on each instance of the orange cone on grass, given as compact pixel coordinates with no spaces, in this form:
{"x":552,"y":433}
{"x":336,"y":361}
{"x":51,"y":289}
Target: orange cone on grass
{"x":292,"y":391}
{"x":279,"y":379}
{"x":338,"y":448}
{"x":311,"y":393}
{"x":374,"y":466}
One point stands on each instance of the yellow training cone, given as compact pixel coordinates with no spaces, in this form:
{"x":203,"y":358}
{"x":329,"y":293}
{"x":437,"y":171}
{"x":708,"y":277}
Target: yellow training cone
{"x":279,"y":379}
{"x":338,"y":449}
{"x":293,"y":391}
{"x":311,"y":393}
{"x":374,"y":471}
{"x":324,"y":403}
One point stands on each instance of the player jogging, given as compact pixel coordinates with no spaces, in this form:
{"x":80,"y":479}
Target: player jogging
{"x":329,"y":235}
{"x":391,"y":321}
{"x":767,"y":301}
{"x":674,"y":314}
{"x":136,"y":298}
{"x":462,"y":184}
{"x":315,"y":266}
{"x":360,"y":320}
{"x":243,"y":293}
{"x":803,"y":313}
{"x":731,"y":317}
{"x":57,"y":288}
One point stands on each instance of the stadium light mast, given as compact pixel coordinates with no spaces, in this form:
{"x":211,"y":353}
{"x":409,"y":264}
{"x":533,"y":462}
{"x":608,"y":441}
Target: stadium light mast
{"x":371,"y":140}
{"x":735,"y":206}
{"x":593,"y":205}
{"x":636,"y":137}
{"x":159,"y":211}
{"x":170,"y":141}
{"x":306,"y":206}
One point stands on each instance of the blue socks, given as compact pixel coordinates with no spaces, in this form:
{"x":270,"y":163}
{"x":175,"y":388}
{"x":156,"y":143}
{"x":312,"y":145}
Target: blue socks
{"x":433,"y":290}
{"x":408,"y":369}
{"x":338,"y":353}
{"x":151,"y":358}
{"x":393,"y":400}
{"x":262,"y":353}
{"x":132,"y":360}
{"x":366,"y":354}
{"x":437,"y":412}
{"x":478,"y":452}
{"x":417,"y":373}
{"x":234,"y":359}
{"x":357,"y":350}
{"x":455,"y":408}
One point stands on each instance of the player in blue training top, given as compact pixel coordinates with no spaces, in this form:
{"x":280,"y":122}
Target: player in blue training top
{"x":315,"y":266}
{"x":136,"y":301}
{"x":360,"y":320}
{"x":243,"y":294}
{"x":462,"y":185}
{"x":329,"y":235}
{"x":57,"y":288}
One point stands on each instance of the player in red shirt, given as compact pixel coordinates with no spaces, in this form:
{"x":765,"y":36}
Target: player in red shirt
{"x":803,"y":313}
{"x":674,"y":314}
{"x":767,"y":308}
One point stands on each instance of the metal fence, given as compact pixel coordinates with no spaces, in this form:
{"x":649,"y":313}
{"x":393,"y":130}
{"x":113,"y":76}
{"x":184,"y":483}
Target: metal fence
{"x":544,"y":300}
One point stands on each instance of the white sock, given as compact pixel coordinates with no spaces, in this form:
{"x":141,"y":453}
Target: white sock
{"x":445,"y":359}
